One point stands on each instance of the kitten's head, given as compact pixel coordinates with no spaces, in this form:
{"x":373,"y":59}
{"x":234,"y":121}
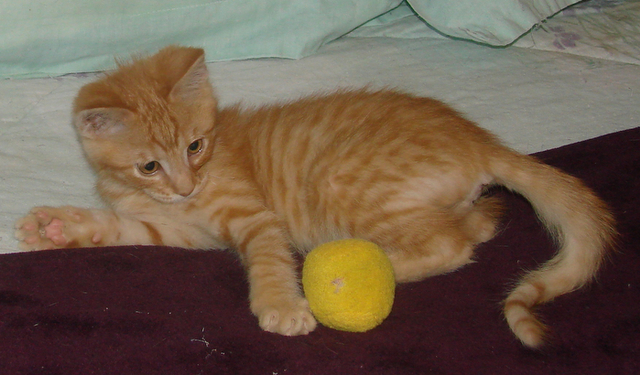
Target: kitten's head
{"x":148,"y":126}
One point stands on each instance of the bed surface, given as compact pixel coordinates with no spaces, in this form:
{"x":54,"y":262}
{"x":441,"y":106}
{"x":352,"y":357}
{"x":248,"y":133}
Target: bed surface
{"x":157,"y":310}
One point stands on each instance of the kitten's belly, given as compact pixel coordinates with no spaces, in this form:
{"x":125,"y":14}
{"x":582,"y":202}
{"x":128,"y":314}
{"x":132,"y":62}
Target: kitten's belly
{"x":307,"y":233}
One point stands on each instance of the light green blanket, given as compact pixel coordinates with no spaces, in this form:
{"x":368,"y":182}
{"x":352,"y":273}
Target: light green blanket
{"x":49,"y":38}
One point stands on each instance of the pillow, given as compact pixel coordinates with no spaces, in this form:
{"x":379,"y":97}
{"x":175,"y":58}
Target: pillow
{"x":493,"y":22}
{"x":49,"y":38}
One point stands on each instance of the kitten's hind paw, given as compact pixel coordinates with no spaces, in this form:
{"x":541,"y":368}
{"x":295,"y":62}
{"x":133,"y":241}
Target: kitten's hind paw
{"x":52,"y":228}
{"x":289,"y":319}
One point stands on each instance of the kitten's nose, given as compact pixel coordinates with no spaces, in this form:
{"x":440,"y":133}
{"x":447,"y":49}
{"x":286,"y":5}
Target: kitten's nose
{"x":185,"y":191}
{"x":184,"y":184}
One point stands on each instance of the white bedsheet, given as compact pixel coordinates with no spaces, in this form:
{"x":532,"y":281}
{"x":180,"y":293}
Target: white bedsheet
{"x":562,"y":83}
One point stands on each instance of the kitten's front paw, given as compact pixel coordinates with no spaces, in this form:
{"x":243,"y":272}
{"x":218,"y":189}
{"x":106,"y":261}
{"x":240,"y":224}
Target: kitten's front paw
{"x":291,"y":318}
{"x":55,"y":227}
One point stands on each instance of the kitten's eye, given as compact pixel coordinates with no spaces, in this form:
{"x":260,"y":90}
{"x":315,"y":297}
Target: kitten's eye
{"x":149,"y":168}
{"x":195,"y":147}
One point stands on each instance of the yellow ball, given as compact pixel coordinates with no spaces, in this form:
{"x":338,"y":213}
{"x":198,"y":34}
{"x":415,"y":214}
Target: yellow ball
{"x":349,"y":284}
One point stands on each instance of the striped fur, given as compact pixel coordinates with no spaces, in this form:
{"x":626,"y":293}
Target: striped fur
{"x":405,"y":172}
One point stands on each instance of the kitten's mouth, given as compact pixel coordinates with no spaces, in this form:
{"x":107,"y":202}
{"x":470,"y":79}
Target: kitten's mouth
{"x":177,"y":198}
{"x":170,"y":198}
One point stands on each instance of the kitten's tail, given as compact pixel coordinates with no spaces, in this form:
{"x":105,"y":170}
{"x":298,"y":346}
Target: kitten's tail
{"x":584,"y":228}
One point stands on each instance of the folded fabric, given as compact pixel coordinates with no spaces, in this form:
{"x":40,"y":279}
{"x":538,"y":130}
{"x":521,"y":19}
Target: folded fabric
{"x":494,"y":22}
{"x":43,"y":38}
{"x":46,"y":38}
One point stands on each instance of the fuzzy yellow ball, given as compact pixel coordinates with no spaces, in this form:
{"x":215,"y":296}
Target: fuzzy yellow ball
{"x":349,"y":284}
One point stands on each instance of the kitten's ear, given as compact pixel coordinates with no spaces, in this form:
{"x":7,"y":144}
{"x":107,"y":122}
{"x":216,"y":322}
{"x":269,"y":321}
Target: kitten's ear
{"x":193,"y":83}
{"x":102,"y":122}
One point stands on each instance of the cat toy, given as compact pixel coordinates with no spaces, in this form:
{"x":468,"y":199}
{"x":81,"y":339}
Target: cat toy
{"x":349,"y":284}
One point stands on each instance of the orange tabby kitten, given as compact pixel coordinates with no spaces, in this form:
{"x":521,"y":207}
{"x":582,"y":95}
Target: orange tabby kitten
{"x":404,"y":172}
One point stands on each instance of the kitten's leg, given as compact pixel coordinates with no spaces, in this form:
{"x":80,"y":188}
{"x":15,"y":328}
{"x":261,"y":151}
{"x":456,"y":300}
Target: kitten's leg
{"x":275,"y":295}
{"x":422,"y":242}
{"x":70,"y":227}
{"x":441,"y":253}
{"x":482,"y":219}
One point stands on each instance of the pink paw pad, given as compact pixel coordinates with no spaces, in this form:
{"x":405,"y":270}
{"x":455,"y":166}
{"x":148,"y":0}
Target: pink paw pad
{"x":29,"y":227}
{"x":53,"y":231}
{"x":96,"y":238}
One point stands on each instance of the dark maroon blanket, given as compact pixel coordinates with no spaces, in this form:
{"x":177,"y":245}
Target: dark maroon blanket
{"x":150,"y":310}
